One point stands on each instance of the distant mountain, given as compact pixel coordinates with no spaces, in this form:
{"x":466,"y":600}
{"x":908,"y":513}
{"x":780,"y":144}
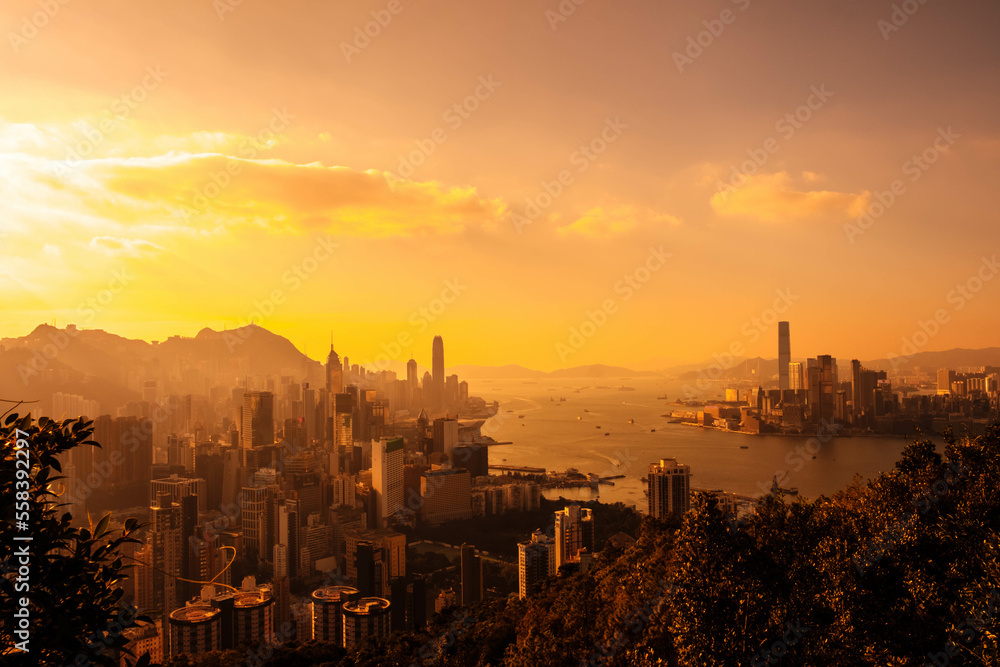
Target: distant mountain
{"x":107,"y":368}
{"x":954,"y":358}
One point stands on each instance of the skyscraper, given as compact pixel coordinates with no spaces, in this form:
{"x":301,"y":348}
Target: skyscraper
{"x":334,"y":373}
{"x":437,"y":371}
{"x":784,"y":355}
{"x":411,"y":382}
{"x":387,"y":477}
{"x":258,"y":419}
{"x":795,"y":377}
{"x":669,"y":489}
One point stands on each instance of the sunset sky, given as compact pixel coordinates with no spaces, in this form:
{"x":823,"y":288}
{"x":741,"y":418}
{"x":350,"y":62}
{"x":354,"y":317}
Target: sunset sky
{"x":175,"y":165}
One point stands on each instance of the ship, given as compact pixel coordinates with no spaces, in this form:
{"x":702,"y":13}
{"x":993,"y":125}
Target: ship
{"x":624,"y":388}
{"x":661,"y":398}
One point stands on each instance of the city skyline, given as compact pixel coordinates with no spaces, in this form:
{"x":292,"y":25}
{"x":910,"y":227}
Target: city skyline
{"x":143,"y":174}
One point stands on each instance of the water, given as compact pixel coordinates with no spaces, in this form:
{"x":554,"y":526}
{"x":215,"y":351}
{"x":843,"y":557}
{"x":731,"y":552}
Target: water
{"x":558,"y":435}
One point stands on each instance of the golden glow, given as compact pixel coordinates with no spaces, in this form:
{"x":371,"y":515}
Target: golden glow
{"x":163,"y":169}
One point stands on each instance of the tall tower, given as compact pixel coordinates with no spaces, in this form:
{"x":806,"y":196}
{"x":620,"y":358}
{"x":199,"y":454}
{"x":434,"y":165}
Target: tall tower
{"x":411,"y":381}
{"x":387,"y":477}
{"x":669,"y":489}
{"x":334,"y":373}
{"x":784,"y":355}
{"x":437,"y":370}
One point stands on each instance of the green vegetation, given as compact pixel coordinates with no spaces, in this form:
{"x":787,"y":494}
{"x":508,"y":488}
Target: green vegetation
{"x":76,"y":616}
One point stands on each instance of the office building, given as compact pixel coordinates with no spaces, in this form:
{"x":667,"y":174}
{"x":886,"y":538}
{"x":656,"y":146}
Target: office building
{"x":387,"y":478}
{"x":258,"y":419}
{"x":446,"y":494}
{"x":437,"y":372}
{"x":178,"y":488}
{"x":784,"y":355}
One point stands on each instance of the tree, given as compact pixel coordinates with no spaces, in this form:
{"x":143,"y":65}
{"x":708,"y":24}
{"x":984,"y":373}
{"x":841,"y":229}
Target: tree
{"x":66,"y":578}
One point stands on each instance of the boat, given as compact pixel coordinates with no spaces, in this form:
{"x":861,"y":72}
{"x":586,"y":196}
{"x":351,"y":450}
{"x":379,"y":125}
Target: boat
{"x":562,"y":399}
{"x":520,"y":416}
{"x":586,"y":410}
{"x":607,"y":434}
{"x":744,"y":447}
{"x":631,"y":421}
{"x":661,"y":398}
{"x":624,"y":388}
{"x":652,"y":430}
{"x":597,"y":427}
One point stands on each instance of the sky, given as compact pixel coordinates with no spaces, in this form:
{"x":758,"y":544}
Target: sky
{"x":550,"y":184}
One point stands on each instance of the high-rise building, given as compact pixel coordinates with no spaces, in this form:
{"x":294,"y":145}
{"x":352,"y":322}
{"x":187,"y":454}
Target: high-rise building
{"x":364,"y":618}
{"x":669,"y":487}
{"x":445,"y":437}
{"x":256,"y":514}
{"x":387,"y":477}
{"x":334,"y":373}
{"x":784,"y":355}
{"x":437,"y":370}
{"x":327,"y":612}
{"x":472,"y":576}
{"x":795,"y":377}
{"x":166,"y":537}
{"x":536,"y":561}
{"x":258,"y":419}
{"x":178,"y":488}
{"x":945,"y":378}
{"x":822,"y":378}
{"x":195,"y":628}
{"x":411,"y":383}
{"x":446,"y":495}
{"x":252,"y":614}
{"x":574,"y":531}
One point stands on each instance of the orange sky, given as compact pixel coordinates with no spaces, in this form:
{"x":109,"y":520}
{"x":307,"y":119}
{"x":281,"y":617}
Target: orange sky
{"x":493,"y":173}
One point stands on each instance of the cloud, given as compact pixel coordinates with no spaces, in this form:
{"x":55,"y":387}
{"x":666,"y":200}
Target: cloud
{"x":606,"y":222}
{"x":776,"y":198}
{"x":119,"y":246}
